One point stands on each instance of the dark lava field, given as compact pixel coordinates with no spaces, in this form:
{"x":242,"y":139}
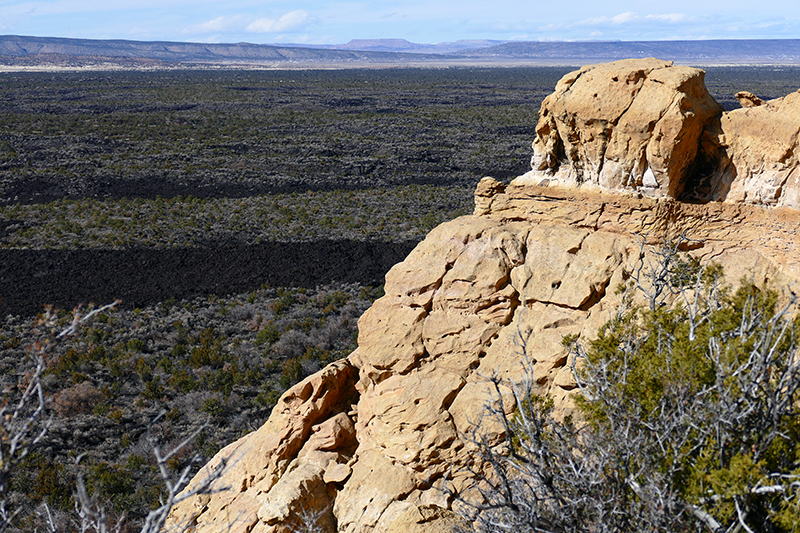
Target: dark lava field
{"x":128,"y":163}
{"x":137,"y":161}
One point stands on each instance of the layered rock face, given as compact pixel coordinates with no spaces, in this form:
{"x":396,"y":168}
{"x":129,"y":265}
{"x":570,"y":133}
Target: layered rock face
{"x":649,"y":127}
{"x":755,"y":154}
{"x":368,"y":443}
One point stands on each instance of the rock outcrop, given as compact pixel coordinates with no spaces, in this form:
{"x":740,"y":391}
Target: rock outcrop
{"x":368,"y":443}
{"x":754,"y":153}
{"x":651,"y":128}
{"x":627,"y":125}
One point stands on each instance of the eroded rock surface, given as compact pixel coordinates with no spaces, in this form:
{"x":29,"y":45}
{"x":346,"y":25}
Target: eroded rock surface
{"x":368,"y":441}
{"x":366,"y":444}
{"x":755,"y":153}
{"x":629,"y":125}
{"x":649,"y":127}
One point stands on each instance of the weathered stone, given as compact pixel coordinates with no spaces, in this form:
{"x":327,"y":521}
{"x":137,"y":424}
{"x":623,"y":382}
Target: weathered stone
{"x":258,"y":461}
{"x":755,"y":154}
{"x":486,"y":189}
{"x":300,"y":496}
{"x":629,"y":125}
{"x":748,"y":99}
{"x":428,"y":519}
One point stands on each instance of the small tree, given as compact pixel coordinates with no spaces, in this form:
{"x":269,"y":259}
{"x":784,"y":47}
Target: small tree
{"x":688,"y":420}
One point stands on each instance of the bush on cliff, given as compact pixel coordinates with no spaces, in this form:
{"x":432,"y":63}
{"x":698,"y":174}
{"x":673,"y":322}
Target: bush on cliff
{"x":689,"y":420}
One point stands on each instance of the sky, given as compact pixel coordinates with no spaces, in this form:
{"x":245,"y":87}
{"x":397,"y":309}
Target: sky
{"x":419,"y":21}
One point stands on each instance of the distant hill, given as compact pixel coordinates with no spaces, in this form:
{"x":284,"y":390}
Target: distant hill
{"x":32,"y":51}
{"x":710,"y":51}
{"x":12,"y":46}
{"x":402,"y":45}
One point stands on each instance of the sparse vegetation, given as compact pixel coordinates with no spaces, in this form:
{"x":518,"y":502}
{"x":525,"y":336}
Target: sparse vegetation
{"x":205,"y":360}
{"x":400,"y":213}
{"x":687,"y":420}
{"x":239,"y":134}
{"x":128,"y":164}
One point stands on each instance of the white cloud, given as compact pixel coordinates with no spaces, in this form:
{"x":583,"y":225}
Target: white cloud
{"x":290,"y":21}
{"x":671,"y":17}
{"x":630,"y":17}
{"x":216,"y":25}
{"x":622,"y":18}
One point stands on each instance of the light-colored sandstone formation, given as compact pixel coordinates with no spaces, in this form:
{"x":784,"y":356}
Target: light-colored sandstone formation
{"x":367,"y":444}
{"x":756,"y":159}
{"x":748,"y":99}
{"x":629,"y":125}
{"x":648,"y":127}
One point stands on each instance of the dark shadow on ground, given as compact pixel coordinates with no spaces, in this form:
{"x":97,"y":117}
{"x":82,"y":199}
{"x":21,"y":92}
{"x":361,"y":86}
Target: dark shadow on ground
{"x":31,"y":278}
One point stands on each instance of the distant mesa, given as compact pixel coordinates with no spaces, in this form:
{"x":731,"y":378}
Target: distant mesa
{"x":366,"y":52}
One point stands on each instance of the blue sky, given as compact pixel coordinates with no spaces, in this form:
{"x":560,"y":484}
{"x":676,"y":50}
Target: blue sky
{"x":421,"y":21}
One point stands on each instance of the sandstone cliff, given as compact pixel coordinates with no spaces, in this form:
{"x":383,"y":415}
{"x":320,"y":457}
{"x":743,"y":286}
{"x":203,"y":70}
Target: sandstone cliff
{"x":367,"y":443}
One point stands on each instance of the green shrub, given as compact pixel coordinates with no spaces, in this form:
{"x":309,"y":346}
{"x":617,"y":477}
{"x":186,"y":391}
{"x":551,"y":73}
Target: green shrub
{"x":209,"y":351}
{"x":269,"y":334}
{"x":213,"y":406}
{"x":135,"y":345}
{"x":183,"y":380}
{"x":291,"y":373}
{"x":689,"y":420}
{"x":40,"y":479}
{"x":111,"y":482}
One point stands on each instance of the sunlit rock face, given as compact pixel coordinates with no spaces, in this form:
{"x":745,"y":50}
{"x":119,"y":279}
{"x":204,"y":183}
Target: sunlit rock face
{"x":754,"y":154}
{"x":650,"y":127}
{"x":367,"y":444}
{"x":628,"y":125}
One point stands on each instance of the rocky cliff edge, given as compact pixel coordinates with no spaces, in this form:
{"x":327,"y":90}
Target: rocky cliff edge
{"x":367,"y":443}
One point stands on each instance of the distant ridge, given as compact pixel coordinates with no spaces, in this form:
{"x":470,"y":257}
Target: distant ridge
{"x":21,"y":50}
{"x":402,"y":45}
{"x":725,"y":51}
{"x":14,"y":46}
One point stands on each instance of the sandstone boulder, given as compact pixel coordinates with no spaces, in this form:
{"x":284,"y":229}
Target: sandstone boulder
{"x":629,"y":125}
{"x":649,"y":127}
{"x":754,"y":153}
{"x":748,"y":99}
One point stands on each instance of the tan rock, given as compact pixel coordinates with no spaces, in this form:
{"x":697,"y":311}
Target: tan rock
{"x":335,"y":433}
{"x":336,"y":472}
{"x":748,"y":99}
{"x":375,"y":483}
{"x":628,"y":125}
{"x":507,"y":289}
{"x":391,"y":333}
{"x":259,"y":460}
{"x":756,"y":154}
{"x":299,"y":498}
{"x":486,"y":189}
{"x":428,"y":519}
{"x":571,"y":267}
